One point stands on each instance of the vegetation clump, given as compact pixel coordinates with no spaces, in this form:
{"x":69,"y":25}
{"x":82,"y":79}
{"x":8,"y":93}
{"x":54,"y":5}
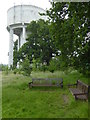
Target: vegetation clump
{"x":25,"y":67}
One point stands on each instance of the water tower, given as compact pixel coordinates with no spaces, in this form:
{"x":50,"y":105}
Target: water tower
{"x":18,"y":17}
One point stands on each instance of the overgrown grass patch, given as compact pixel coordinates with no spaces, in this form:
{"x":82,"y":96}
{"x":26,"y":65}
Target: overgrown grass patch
{"x":18,"y":101}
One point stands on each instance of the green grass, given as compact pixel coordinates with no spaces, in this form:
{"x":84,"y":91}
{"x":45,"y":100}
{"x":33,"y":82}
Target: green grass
{"x":18,"y":101}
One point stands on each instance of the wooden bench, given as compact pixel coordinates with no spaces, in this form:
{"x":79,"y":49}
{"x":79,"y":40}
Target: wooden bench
{"x":80,"y":91}
{"x":46,"y":82}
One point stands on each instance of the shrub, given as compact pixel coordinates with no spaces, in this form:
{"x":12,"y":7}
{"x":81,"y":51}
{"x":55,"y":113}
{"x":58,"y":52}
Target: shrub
{"x":34,"y":65}
{"x":15,"y":71}
{"x":6,"y":70}
{"x":54,"y":65}
{"x":26,"y":68}
{"x":43,"y":68}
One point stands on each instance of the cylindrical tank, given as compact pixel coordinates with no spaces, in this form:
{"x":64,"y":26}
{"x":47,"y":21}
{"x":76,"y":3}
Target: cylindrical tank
{"x":23,"y":14}
{"x":18,"y":17}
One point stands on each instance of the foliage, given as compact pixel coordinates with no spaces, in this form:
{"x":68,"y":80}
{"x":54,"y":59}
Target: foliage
{"x":34,"y":65}
{"x":43,"y":68}
{"x":0,"y":67}
{"x":39,"y":44}
{"x":54,"y":64}
{"x":4,"y":68}
{"x":26,"y":68}
{"x":70,"y":32}
{"x":65,"y":34}
{"x":15,"y":71}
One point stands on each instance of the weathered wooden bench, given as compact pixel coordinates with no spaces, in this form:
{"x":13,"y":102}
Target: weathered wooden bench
{"x":80,"y":91}
{"x":46,"y":82}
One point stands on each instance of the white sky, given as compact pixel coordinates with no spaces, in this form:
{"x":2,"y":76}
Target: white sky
{"x":4,"y":35}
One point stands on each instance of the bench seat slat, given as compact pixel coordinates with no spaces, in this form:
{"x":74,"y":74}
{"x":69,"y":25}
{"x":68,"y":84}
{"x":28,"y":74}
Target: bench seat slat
{"x":74,"y":91}
{"x":82,"y":97}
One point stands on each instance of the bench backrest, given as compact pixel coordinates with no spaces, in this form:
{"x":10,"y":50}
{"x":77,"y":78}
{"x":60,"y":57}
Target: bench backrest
{"x":48,"y":80}
{"x":82,"y":86}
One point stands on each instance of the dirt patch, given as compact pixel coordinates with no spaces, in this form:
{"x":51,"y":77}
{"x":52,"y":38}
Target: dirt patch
{"x":65,"y":98}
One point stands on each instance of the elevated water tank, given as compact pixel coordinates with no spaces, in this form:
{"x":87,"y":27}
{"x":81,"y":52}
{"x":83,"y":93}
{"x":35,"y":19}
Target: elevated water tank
{"x":18,"y":17}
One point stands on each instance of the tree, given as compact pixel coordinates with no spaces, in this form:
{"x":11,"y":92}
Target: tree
{"x":39,"y":43}
{"x":69,"y":29}
{"x":80,"y":16}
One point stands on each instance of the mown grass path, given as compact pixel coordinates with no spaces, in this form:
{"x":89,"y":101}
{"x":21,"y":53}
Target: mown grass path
{"x":18,"y":101}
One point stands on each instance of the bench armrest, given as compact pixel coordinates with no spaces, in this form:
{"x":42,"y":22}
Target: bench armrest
{"x":80,"y":94}
{"x":61,"y":84}
{"x":30,"y":83}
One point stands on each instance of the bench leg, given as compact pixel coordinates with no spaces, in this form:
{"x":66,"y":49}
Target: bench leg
{"x":30,"y":86}
{"x":61,"y":85}
{"x":75,"y":97}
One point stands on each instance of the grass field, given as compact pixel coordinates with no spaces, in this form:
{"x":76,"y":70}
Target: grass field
{"x":18,"y":101}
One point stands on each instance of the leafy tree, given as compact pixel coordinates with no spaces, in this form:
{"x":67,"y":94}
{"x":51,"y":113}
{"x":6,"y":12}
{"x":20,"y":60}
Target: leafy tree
{"x":39,"y":43}
{"x":70,"y":29}
{"x":79,"y":16}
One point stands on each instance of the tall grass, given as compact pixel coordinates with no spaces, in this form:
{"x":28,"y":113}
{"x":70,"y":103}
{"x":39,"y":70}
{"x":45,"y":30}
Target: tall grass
{"x":18,"y":101}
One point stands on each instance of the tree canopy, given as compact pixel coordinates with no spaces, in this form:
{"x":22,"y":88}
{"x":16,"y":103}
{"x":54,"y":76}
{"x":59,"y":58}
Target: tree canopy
{"x":70,"y":31}
{"x":38,"y":44}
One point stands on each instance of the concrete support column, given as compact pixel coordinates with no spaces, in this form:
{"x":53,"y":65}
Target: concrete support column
{"x":18,"y":42}
{"x":24,"y":34}
{"x":10,"y":47}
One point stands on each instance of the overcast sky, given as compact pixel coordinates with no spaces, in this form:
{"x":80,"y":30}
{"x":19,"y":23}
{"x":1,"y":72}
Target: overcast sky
{"x":4,"y":35}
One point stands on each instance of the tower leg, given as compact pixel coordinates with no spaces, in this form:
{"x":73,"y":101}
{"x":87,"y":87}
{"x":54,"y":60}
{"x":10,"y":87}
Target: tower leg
{"x":18,"y":42}
{"x":24,"y":34}
{"x":10,"y":48}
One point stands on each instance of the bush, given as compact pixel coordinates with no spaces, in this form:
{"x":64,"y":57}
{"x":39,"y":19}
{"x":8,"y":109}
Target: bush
{"x":34,"y":65}
{"x":6,"y":70}
{"x":15,"y":71}
{"x":26,"y":68}
{"x":43,"y":68}
{"x":54,"y":65}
